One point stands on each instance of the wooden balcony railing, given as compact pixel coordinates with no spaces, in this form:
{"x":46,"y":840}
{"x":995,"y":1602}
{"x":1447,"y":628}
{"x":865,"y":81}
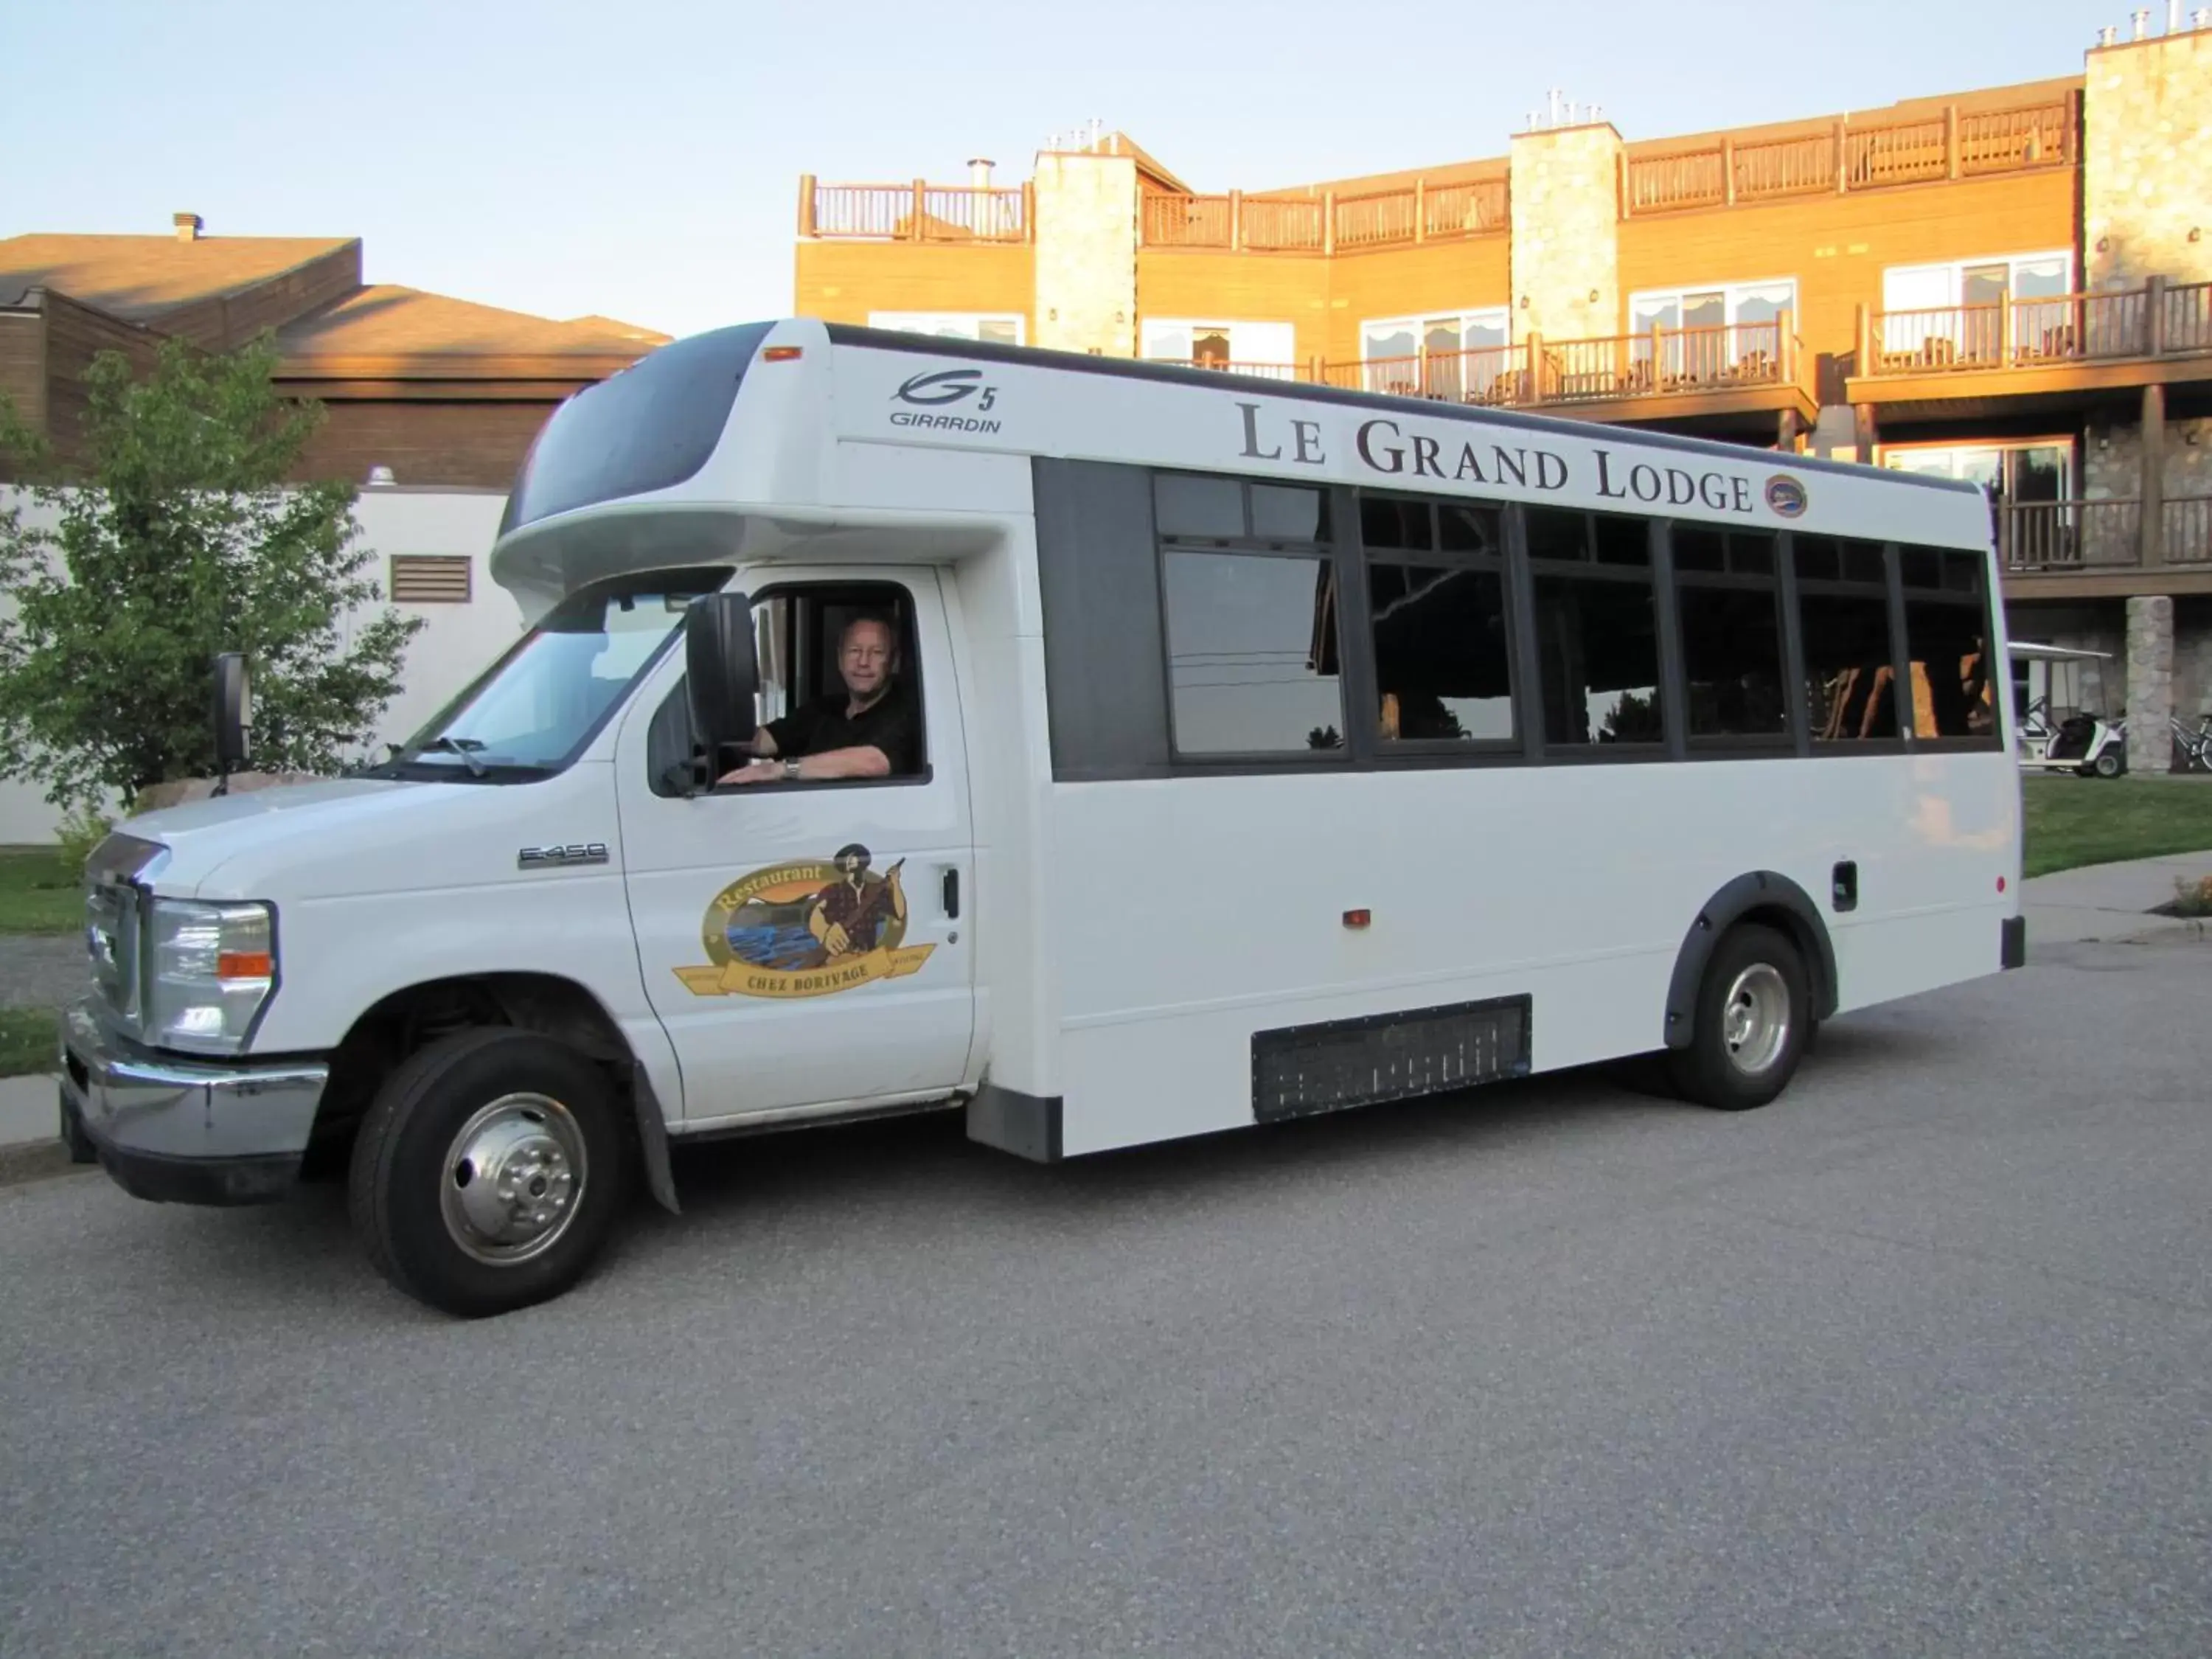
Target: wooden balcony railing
{"x":1257,"y":371}
{"x":919,"y":212}
{"x":1486,"y":374}
{"x":1186,"y":220}
{"x":2188,"y":530}
{"x":1281,"y":227}
{"x":1326,"y":223}
{"x":2069,"y":535}
{"x":1958,"y":144}
{"x":2052,"y":537}
{"x":2154,"y":321}
{"x":1663,"y":363}
{"x":2187,"y":323}
{"x":1669,"y":360}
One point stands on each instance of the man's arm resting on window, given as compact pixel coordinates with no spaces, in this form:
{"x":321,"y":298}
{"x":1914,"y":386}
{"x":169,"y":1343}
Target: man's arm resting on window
{"x":865,"y":761}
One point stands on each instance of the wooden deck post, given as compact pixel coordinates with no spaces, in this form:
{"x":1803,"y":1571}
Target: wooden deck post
{"x":2153,"y":334}
{"x":805,"y":204}
{"x":1328,"y":221}
{"x":1235,"y":219}
{"x":1028,"y":210}
{"x":1865,"y":436}
{"x":1951,"y":141}
{"x":1535,"y":369}
{"x":1728,"y":171}
{"x":1843,"y":158}
{"x":921,"y":207}
{"x":1865,"y":363}
{"x":2152,"y":492}
{"x":1421,"y":210}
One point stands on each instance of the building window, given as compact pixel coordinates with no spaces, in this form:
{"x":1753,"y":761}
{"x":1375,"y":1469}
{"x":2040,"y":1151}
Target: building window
{"x":1250,"y":598}
{"x":1708,"y":332}
{"x":431,"y":579}
{"x":1843,"y":615}
{"x":2038,"y":470}
{"x":1597,"y":629}
{"x":989,"y":328}
{"x":1264,"y":349}
{"x":1462,"y":355}
{"x":1968,"y":310}
{"x":1437,"y":614}
{"x":2028,"y":485}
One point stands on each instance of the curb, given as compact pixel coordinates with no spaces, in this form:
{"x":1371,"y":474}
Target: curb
{"x":42,"y":1153}
{"x":35,"y":1160}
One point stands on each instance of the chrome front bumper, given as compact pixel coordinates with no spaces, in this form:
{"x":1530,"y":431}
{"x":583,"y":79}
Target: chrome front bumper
{"x":185,"y":1131}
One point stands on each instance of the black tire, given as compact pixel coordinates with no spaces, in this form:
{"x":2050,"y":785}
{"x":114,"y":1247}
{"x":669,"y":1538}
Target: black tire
{"x":2110,"y":764}
{"x":1707,"y":1071}
{"x":396,"y":1184}
{"x":79,"y":1143}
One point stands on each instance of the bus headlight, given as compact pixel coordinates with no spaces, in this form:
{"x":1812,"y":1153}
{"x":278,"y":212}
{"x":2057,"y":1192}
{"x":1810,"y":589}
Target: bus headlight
{"x":210,"y":969}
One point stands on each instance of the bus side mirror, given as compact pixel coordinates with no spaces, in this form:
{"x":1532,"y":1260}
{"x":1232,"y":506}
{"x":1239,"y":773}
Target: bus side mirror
{"x":233,"y":713}
{"x":720,"y":673}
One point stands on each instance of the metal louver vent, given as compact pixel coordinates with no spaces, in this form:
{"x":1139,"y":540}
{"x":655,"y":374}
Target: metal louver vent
{"x":430,"y":579}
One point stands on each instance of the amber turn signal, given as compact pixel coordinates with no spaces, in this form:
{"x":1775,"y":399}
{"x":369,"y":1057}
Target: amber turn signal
{"x":245,"y":964}
{"x":779,"y":353}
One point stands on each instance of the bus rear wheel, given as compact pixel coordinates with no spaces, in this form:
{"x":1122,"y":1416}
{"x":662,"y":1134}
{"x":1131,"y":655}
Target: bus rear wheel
{"x":1754,"y":1017}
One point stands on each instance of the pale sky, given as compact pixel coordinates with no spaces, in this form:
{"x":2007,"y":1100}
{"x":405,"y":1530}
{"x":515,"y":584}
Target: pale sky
{"x":641,"y":160}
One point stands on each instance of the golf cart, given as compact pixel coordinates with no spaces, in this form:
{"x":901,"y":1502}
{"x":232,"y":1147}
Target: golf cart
{"x":2047,"y":678}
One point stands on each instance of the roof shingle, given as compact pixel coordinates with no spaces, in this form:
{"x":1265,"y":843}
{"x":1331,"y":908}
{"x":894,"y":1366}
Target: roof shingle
{"x":140,"y":277}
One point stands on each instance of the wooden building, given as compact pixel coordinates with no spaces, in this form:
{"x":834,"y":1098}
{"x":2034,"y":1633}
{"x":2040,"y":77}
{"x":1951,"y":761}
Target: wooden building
{"x":2012,"y":285}
{"x":438,"y":392}
{"x":431,"y":403}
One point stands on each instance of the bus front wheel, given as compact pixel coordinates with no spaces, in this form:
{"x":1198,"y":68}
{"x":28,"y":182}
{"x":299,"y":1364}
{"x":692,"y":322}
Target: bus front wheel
{"x":1754,"y":1016}
{"x":490,"y":1171}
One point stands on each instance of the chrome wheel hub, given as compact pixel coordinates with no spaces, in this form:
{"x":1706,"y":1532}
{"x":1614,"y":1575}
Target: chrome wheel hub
{"x":512,"y":1177}
{"x":1755,"y":1021}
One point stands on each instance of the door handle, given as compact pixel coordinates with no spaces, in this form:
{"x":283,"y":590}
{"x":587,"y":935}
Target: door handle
{"x":951,"y":892}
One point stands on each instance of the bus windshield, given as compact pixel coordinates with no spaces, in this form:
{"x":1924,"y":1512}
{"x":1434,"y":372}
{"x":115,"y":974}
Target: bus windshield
{"x":534,"y":710}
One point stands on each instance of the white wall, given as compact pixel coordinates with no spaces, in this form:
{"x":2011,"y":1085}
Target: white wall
{"x":458,"y":641}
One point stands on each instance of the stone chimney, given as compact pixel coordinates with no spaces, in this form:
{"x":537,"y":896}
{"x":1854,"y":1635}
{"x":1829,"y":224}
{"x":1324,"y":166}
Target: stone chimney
{"x":979,"y":173}
{"x":188,"y":225}
{"x":2146,"y":106}
{"x":1565,"y":184}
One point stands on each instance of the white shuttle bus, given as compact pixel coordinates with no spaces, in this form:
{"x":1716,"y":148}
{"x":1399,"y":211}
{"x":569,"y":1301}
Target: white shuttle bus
{"x":1180,"y":752}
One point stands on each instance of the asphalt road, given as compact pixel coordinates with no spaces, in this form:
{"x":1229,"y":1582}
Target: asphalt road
{"x":1917,"y":1361}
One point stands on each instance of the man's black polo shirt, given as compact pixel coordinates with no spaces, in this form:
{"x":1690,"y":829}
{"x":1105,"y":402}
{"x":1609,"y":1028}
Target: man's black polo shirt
{"x":819,"y":726}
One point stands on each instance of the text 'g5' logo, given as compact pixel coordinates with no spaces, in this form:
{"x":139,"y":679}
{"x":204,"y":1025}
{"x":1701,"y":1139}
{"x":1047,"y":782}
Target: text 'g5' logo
{"x":947,"y":386}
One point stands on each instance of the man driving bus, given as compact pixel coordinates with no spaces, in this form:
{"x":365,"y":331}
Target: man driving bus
{"x":868,"y":733}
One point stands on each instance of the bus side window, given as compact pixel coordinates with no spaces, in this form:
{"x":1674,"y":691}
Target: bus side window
{"x":1850,"y":666}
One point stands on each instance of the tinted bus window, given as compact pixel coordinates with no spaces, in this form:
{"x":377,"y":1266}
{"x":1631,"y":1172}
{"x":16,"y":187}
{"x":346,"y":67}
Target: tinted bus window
{"x":650,"y":427}
{"x":1249,"y":671}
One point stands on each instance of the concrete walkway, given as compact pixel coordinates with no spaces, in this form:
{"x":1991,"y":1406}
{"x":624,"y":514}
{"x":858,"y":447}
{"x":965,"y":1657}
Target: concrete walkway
{"x":2104,"y":902}
{"x":2108,"y":901}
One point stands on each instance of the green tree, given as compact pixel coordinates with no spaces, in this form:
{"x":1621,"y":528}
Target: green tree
{"x":180,"y":535}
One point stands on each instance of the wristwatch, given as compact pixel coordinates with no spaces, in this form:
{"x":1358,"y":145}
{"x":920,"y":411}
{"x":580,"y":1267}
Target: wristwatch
{"x":791,"y":769}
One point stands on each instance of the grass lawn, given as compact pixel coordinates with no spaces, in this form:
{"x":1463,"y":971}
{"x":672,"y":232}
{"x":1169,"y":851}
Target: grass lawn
{"x":2077,"y":821}
{"x":28,"y":1037}
{"x":38,"y":894}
